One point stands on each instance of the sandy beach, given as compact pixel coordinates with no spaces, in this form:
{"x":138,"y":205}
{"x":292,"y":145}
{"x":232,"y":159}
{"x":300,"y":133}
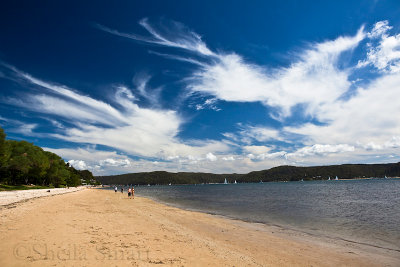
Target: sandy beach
{"x":94,"y":227}
{"x":10,"y":197}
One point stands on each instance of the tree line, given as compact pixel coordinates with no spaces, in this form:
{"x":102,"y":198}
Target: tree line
{"x":22,"y":162}
{"x":281,"y":173}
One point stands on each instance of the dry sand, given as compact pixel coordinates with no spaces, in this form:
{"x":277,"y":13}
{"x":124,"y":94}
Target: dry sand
{"x":9,"y":197}
{"x":102,"y":228}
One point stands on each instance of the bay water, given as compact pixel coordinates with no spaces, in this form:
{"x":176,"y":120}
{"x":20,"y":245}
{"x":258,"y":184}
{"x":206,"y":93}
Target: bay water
{"x":364,"y":211}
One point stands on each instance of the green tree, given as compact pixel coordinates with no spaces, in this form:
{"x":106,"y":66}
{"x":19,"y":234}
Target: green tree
{"x":57,"y":173}
{"x":4,"y":156}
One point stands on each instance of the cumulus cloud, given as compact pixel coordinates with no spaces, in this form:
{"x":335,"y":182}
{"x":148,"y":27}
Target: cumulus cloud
{"x":369,"y":116}
{"x":115,"y":162}
{"x":78,"y":164}
{"x":394,"y":142}
{"x":230,"y":158}
{"x":211,"y":157}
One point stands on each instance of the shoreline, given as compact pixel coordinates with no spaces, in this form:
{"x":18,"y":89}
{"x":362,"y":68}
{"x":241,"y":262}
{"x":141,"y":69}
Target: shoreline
{"x":282,"y":228}
{"x":105,"y":222}
{"x":287,"y":230}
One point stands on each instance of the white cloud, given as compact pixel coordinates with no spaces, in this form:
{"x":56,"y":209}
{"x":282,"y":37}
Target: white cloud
{"x":146,"y":132}
{"x":380,"y":29}
{"x":208,"y":104}
{"x":372,"y":146}
{"x":20,"y":127}
{"x":393,"y":143}
{"x":268,"y":156}
{"x":371,"y":115}
{"x":319,"y":149}
{"x":313,"y":80}
{"x":78,"y":164}
{"x":211,"y":157}
{"x":115,"y":162}
{"x":56,"y":124}
{"x":316,"y":82}
{"x":256,"y":149}
{"x":363,"y":124}
{"x":386,"y":55}
{"x":171,"y":33}
{"x":97,"y":107}
{"x":249,"y":134}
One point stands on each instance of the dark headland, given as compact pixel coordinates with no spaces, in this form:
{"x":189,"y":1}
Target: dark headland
{"x":276,"y":174}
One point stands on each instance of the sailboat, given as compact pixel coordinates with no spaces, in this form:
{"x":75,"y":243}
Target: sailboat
{"x":329,"y":178}
{"x":235,"y":182}
{"x":336,"y":178}
{"x":225,"y":182}
{"x":261,"y":181}
{"x":385,"y":177}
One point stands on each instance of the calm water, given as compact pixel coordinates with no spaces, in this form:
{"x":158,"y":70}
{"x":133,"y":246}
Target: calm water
{"x":365,"y":211}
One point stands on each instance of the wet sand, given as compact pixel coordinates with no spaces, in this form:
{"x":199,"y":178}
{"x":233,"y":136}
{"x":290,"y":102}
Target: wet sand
{"x":102,"y":228}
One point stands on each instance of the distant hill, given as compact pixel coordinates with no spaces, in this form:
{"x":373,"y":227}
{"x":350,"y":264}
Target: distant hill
{"x":281,"y":173}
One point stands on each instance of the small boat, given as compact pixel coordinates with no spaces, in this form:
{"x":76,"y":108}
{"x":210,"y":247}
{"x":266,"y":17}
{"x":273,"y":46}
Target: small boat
{"x":169,"y":184}
{"x":225,"y":182}
{"x":385,"y":177}
{"x":148,"y":184}
{"x":235,"y":182}
{"x":329,"y":178}
{"x":261,"y":181}
{"x":301,"y":180}
{"x":336,"y":178}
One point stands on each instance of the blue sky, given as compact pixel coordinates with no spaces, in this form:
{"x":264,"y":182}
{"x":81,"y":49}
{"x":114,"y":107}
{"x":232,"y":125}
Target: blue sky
{"x":210,"y":86}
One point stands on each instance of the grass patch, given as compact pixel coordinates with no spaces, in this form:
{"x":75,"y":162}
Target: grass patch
{"x":4,"y":187}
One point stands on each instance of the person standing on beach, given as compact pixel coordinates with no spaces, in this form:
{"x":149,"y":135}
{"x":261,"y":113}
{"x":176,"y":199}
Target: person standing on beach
{"x":122,"y":190}
{"x":129,"y":192}
{"x":115,"y":189}
{"x":133,"y":192}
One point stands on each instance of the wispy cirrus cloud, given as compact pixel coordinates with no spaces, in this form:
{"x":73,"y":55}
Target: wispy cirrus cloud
{"x":169,"y":33}
{"x":313,"y":79}
{"x":145,"y":132}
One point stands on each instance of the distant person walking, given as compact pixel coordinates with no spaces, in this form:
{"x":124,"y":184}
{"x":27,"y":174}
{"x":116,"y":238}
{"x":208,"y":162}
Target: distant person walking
{"x":129,"y":192}
{"x":122,"y":190}
{"x":115,"y":189}
{"x":133,"y":192}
